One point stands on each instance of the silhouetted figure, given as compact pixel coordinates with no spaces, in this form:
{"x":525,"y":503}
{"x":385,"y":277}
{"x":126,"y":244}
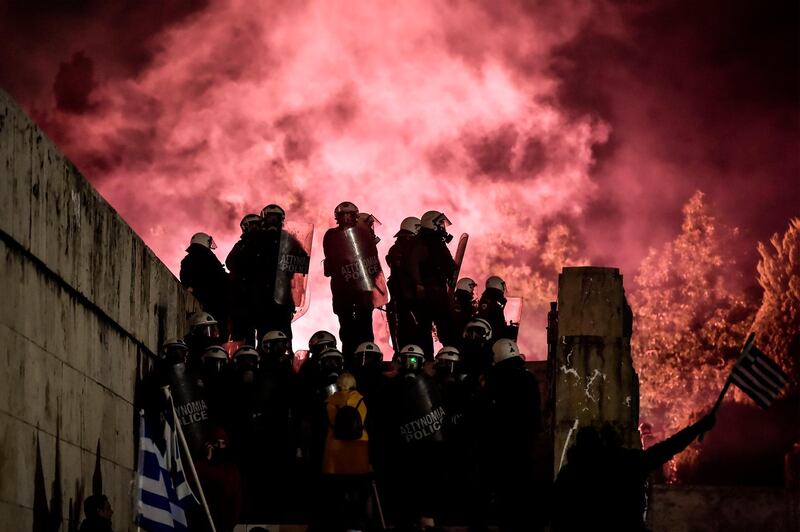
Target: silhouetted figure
{"x":346,"y":466}
{"x":214,"y":376}
{"x":491,"y":306}
{"x":357,"y":282}
{"x":457,"y":464}
{"x":402,"y":323}
{"x":203,"y":333}
{"x":511,"y":429}
{"x":476,"y":349}
{"x":262,"y":264}
{"x":203,"y":275}
{"x":431,"y":266}
{"x":462,"y":307}
{"x":607,"y":481}
{"x":416,"y":419}
{"x":98,"y":514}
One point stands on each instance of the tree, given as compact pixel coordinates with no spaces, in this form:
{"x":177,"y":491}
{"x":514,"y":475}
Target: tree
{"x":777,"y":323}
{"x":690,"y":319}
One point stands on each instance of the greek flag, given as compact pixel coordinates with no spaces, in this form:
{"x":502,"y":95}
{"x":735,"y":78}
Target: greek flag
{"x":759,"y":377}
{"x":162,"y":490}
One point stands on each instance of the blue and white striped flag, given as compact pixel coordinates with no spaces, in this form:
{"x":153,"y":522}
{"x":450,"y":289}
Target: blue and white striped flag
{"x":759,"y":377}
{"x":159,"y":507}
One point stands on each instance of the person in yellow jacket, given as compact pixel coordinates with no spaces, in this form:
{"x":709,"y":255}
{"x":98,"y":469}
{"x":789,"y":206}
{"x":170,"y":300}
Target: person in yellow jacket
{"x":345,"y":467}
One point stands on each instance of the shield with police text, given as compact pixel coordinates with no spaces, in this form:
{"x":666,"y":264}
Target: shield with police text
{"x":420,"y":413}
{"x":291,"y":273}
{"x":358,"y":266}
{"x":191,"y":406}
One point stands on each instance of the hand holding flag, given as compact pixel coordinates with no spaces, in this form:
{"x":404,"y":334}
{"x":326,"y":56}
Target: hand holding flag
{"x":756,"y":375}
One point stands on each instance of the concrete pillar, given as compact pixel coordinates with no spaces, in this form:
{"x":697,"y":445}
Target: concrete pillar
{"x":592,"y":373}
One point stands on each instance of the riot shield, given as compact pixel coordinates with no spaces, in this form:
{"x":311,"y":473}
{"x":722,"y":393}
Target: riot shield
{"x":358,"y":266}
{"x":191,"y":407}
{"x":420,"y":414}
{"x":291,"y":274}
{"x":458,"y":259}
{"x":513,"y":313}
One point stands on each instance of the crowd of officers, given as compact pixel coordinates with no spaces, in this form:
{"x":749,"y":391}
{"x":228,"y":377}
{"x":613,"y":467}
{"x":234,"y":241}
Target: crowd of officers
{"x":267,"y":273}
{"x":344,"y":438}
{"x":440,"y":443}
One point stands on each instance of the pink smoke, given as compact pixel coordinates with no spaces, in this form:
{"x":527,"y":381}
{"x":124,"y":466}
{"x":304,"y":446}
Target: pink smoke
{"x":552,"y":132}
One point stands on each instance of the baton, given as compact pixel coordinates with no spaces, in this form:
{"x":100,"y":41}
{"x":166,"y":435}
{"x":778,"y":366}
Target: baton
{"x":378,"y":503}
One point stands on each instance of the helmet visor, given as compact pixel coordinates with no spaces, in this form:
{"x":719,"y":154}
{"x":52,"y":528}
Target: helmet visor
{"x":214,"y":364}
{"x":475,"y":333}
{"x":206,"y":330}
{"x":411,"y":361}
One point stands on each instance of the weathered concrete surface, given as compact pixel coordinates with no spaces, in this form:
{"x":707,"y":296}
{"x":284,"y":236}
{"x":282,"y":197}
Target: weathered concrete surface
{"x":593,"y":377}
{"x":84,"y":301}
{"x":724,"y":509}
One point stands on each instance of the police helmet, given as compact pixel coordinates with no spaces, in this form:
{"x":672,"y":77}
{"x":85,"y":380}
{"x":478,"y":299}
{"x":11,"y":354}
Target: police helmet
{"x":503,"y":349}
{"x":331,"y":360}
{"x":174,"y":350}
{"x":409,"y":225}
{"x":478,"y":329}
{"x":246,"y":357}
{"x":345,"y":208}
{"x":321,"y":340}
{"x":368,"y":352}
{"x":250,"y":222}
{"x":434,"y":220}
{"x":214,"y":357}
{"x":411,"y":357}
{"x":466,"y":284}
{"x":273,"y":215}
{"x":204,"y":240}
{"x":203,"y":324}
{"x":497,"y":283}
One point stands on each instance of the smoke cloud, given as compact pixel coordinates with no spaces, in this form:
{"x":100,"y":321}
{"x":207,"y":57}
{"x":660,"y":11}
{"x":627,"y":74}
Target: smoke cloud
{"x":554,"y":133}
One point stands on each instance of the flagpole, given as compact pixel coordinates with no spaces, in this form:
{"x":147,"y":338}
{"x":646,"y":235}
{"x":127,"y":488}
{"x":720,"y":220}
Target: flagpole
{"x":745,"y":350}
{"x":188,"y":454}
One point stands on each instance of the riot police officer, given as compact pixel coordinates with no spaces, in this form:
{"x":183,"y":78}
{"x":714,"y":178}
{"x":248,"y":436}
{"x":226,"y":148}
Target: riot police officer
{"x":189,"y":396}
{"x":431,"y":267}
{"x":203,"y":275}
{"x":514,"y":416}
{"x":357,"y":283}
{"x":492,"y":304}
{"x":476,"y":349}
{"x":246,"y":269}
{"x":462,"y":306}
{"x":416,"y":418}
{"x":276,"y":352}
{"x":262,"y":264}
{"x":366,"y":368}
{"x":213,"y":376}
{"x":260,"y":431}
{"x":457,"y":462}
{"x":402,"y":323}
{"x":203,"y":333}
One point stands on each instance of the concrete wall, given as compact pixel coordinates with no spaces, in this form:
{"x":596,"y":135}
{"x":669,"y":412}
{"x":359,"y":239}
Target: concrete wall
{"x":593,"y":377}
{"x":84,"y":303}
